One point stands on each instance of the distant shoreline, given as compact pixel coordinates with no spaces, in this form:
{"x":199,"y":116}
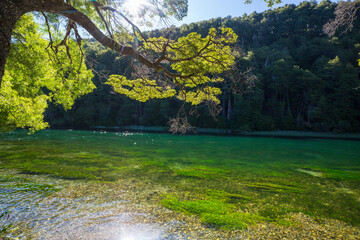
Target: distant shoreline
{"x":225,"y":132}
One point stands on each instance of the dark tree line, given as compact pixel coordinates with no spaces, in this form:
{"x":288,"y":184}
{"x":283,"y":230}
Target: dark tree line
{"x":298,"y":78}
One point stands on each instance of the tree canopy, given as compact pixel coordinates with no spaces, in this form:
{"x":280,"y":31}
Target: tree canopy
{"x":184,"y":68}
{"x":34,"y":77}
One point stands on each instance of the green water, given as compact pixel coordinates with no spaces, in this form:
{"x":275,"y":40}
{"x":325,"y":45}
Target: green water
{"x":226,"y":182}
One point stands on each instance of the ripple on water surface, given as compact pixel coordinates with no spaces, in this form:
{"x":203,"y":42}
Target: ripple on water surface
{"x":62,"y":215}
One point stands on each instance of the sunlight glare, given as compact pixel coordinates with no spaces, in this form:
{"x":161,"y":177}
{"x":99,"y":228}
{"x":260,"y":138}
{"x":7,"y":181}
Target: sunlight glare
{"x":134,"y":7}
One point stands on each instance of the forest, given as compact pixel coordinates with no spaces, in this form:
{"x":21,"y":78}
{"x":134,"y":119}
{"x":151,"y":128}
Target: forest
{"x":289,"y":75}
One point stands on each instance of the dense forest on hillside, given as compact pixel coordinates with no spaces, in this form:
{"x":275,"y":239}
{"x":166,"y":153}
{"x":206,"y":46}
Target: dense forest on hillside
{"x":298,"y":78}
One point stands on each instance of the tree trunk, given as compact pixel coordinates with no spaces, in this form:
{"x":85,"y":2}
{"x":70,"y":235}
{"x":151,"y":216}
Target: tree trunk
{"x":229,"y":108}
{"x":223,"y":108}
{"x":9,"y":14}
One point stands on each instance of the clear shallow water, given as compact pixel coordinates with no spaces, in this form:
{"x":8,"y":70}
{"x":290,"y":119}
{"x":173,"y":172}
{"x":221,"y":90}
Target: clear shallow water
{"x":91,"y":185}
{"x":76,"y":210}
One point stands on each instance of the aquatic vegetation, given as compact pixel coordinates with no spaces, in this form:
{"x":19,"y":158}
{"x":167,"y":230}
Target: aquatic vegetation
{"x":272,"y":187}
{"x":22,"y":184}
{"x":33,"y":187}
{"x":201,"y":172}
{"x":214,"y":213}
{"x":228,"y":182}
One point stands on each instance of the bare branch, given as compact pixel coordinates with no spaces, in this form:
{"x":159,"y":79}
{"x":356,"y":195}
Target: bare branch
{"x":49,"y":31}
{"x":180,"y":123}
{"x":345,"y":16}
{"x":97,"y":5}
{"x":108,"y":8}
{"x":88,"y":25}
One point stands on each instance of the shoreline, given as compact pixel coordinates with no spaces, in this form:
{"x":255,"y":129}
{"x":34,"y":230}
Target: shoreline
{"x":224,"y":132}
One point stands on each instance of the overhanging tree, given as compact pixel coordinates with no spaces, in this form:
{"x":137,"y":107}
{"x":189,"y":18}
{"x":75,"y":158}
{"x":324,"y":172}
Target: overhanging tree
{"x":185,"y":68}
{"x":87,"y":14}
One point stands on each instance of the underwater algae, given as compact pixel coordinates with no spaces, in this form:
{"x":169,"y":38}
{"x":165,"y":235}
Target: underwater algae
{"x":227,"y":183}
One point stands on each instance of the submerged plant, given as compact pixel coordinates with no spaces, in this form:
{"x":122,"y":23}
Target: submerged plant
{"x":214,"y":212}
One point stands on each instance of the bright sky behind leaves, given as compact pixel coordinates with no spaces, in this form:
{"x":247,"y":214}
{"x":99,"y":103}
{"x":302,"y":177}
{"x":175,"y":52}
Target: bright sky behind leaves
{"x":200,"y":10}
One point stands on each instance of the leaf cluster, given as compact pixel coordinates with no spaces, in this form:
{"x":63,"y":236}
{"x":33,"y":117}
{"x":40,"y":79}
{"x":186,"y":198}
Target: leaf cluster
{"x":192,"y":62}
{"x":35,"y":76}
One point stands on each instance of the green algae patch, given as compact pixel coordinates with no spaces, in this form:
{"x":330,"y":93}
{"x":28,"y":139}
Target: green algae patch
{"x":10,"y":178}
{"x":342,"y":173}
{"x":273,"y":187}
{"x":213,"y":213}
{"x":230,"y":221}
{"x":274,"y":213}
{"x":23,"y":184}
{"x":228,"y":197}
{"x":351,"y":174}
{"x":60,"y":172}
{"x":35,"y":187}
{"x":201,"y":172}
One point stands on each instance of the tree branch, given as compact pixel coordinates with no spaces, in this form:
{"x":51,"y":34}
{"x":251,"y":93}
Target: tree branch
{"x":96,"y":5}
{"x":92,"y":29}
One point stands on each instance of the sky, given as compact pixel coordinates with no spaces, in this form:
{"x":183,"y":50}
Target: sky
{"x":199,"y":10}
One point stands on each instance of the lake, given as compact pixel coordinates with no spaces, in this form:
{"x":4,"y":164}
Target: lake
{"x":58,"y":184}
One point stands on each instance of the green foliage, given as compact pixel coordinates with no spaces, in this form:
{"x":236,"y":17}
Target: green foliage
{"x":176,"y":8}
{"x":35,"y":76}
{"x":139,"y":89}
{"x":192,"y":58}
{"x":270,"y":3}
